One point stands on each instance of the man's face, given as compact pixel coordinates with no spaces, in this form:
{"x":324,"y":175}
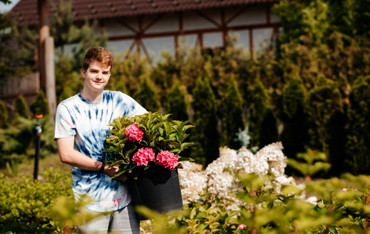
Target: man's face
{"x":96,"y":76}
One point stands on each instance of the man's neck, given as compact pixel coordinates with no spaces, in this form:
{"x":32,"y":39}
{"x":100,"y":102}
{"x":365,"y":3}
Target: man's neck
{"x":91,"y":96}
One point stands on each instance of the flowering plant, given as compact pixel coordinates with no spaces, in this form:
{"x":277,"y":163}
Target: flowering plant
{"x":149,"y":140}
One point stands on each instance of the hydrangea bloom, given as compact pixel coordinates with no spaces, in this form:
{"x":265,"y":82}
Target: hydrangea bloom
{"x":167,"y":159}
{"x":134,"y":133}
{"x":143,"y":156}
{"x":242,"y":227}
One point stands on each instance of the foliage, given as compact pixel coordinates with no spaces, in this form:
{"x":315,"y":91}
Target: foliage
{"x":205,"y":134}
{"x":130,"y":70}
{"x":358,"y":127}
{"x":121,"y":87}
{"x":17,"y":142}
{"x":40,"y":104}
{"x":314,"y":162}
{"x":3,"y":116}
{"x":268,"y":131}
{"x":259,"y":100}
{"x":160,"y":135}
{"x":16,"y":48}
{"x":25,"y":205}
{"x":232,"y":115}
{"x":68,"y":81}
{"x":20,"y":107}
{"x":323,"y":101}
{"x":176,"y":103}
{"x":147,"y":96}
{"x":294,"y":117}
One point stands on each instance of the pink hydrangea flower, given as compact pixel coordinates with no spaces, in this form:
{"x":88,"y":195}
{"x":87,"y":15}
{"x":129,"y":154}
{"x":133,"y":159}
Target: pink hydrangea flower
{"x":242,"y":227}
{"x":134,"y":133}
{"x":143,"y":156}
{"x":167,"y":159}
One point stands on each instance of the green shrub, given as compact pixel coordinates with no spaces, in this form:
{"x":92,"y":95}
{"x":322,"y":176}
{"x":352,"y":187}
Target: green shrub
{"x":121,"y":87}
{"x":176,"y":104}
{"x":3,"y":116}
{"x":232,"y":116}
{"x":25,"y":204}
{"x":268,"y":129}
{"x":147,"y":96}
{"x":294,"y":116}
{"x":259,"y":100}
{"x":20,"y":107}
{"x":359,"y":126}
{"x":205,"y":134}
{"x":40,"y":105}
{"x":323,"y":101}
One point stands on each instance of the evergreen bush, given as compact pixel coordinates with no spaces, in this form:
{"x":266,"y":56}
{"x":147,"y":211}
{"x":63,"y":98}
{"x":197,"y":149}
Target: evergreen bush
{"x":3,"y":116}
{"x":338,"y":157}
{"x":40,"y":105}
{"x":20,"y":107}
{"x":25,"y":204}
{"x":121,"y":87}
{"x":232,"y":116}
{"x":323,"y":101}
{"x":359,"y":126}
{"x":176,"y":103}
{"x":259,"y":100}
{"x":268,"y":129}
{"x":205,"y":134}
{"x":294,"y":117}
{"x":147,"y":96}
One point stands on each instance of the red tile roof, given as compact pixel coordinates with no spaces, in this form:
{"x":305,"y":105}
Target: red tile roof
{"x":26,"y":10}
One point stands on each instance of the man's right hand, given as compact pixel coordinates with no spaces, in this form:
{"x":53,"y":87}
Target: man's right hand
{"x":112,"y":171}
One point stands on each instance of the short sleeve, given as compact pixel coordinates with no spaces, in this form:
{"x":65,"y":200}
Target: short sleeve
{"x":137,"y":110}
{"x":135,"y":107}
{"x":64,"y":125}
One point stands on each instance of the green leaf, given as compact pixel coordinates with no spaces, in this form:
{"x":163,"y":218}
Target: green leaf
{"x":186,"y":145}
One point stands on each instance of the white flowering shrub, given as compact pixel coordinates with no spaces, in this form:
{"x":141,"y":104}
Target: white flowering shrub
{"x":242,"y":192}
{"x":219,"y":179}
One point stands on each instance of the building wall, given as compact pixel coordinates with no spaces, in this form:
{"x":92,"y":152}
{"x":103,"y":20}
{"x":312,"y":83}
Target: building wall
{"x":254,"y":25}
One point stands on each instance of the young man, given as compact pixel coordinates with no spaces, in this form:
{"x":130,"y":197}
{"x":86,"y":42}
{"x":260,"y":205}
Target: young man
{"x":81,"y":125}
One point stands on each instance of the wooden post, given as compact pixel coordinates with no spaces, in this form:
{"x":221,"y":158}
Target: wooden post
{"x":46,"y":64}
{"x":50,"y":76}
{"x":43,"y":34}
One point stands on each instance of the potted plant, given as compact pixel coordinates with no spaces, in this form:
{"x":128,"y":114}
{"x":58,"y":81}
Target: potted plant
{"x":146,"y":148}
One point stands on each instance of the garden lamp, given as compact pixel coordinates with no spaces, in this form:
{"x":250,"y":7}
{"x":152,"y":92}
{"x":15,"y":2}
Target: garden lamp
{"x":37,"y":145}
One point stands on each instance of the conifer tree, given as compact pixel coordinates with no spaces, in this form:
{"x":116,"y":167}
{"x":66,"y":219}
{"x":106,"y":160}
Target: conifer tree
{"x":259,"y":103}
{"x":3,"y":116}
{"x":232,"y":115}
{"x":147,"y":97}
{"x":336,"y":128}
{"x":40,"y":104}
{"x":294,"y":117}
{"x":359,"y":126}
{"x":268,"y":129}
{"x":20,"y":107}
{"x":205,"y":134}
{"x":121,"y":87}
{"x":176,"y":104}
{"x":324,"y":100}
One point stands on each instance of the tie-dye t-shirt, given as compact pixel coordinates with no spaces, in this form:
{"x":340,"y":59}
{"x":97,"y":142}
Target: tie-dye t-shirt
{"x":88,"y":123}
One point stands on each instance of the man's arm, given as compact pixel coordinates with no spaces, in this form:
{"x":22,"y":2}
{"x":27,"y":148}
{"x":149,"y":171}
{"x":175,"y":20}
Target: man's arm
{"x":74,"y":158}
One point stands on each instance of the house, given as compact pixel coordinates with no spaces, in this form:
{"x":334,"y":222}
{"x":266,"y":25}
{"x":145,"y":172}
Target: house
{"x":149,"y":26}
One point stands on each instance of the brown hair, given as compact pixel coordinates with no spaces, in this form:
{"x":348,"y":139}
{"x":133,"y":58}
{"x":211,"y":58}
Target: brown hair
{"x":99,"y":54}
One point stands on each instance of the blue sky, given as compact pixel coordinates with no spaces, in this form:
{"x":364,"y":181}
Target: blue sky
{"x":7,"y":7}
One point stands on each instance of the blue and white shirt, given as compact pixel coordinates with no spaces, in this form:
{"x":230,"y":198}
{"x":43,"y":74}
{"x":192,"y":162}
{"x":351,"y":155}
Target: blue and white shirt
{"x":88,"y":122}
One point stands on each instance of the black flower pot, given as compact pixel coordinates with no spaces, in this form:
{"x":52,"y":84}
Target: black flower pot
{"x":158,"y":189}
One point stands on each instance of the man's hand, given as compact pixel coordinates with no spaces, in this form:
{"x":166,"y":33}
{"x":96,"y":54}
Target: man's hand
{"x":112,"y":171}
